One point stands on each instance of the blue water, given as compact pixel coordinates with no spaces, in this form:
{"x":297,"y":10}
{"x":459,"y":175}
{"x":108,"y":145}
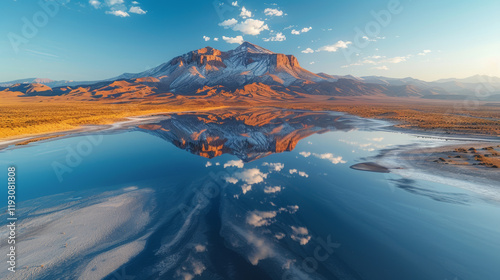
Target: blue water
{"x":381,"y":226}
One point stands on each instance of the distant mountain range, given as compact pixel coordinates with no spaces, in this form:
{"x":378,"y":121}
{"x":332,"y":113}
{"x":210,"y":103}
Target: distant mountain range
{"x":248,"y":71}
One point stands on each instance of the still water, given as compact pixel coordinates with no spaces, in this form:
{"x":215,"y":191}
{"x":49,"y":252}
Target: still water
{"x":242,"y":194}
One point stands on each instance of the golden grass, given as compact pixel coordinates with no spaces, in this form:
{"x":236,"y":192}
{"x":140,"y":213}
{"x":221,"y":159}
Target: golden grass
{"x":39,"y":118}
{"x":23,"y":117}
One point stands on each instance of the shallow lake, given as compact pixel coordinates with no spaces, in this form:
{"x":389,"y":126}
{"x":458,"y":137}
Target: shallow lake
{"x":251,"y":194}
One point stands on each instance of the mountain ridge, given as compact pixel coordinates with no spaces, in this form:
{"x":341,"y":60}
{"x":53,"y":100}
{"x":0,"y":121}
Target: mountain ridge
{"x":248,"y":71}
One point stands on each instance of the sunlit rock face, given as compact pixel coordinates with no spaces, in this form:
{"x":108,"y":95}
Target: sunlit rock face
{"x":248,"y":134}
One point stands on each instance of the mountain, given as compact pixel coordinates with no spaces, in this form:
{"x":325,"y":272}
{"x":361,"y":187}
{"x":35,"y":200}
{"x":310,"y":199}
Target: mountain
{"x":249,"y":133}
{"x":248,"y":72}
{"x":44,"y":81}
{"x":244,"y":65}
{"x":473,"y":79}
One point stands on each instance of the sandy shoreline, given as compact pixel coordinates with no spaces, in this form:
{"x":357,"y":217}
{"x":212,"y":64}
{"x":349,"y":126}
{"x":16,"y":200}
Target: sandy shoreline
{"x":128,"y":122}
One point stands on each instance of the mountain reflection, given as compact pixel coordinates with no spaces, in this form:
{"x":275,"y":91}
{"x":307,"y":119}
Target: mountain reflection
{"x":246,"y":133}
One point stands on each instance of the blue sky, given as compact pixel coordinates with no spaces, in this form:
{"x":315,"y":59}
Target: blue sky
{"x":97,"y":39}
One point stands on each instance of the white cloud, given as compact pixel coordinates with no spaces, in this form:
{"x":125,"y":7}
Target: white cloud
{"x":303,"y":30}
{"x":251,"y":176}
{"x":306,"y":29}
{"x":272,"y":189}
{"x":114,"y":2}
{"x":308,"y":50}
{"x":246,"y":188}
{"x":312,"y":62}
{"x":233,"y":40}
{"x":303,"y":174}
{"x":216,"y":39}
{"x":335,"y":47}
{"x":251,"y":26}
{"x":231,"y":180}
{"x":137,"y":10}
{"x":425,"y":52}
{"x":260,"y":218}
{"x":279,"y":37}
{"x":228,"y":23}
{"x":377,"y":139}
{"x":135,"y":2}
{"x":206,"y":38}
{"x":96,"y":4}
{"x":234,"y":163}
{"x":200,"y":248}
{"x":245,"y":13}
{"x":397,"y":59}
{"x":330,"y":157}
{"x":301,"y":235}
{"x":273,"y":12}
{"x":279,"y":235}
{"x":381,"y":68}
{"x":277,"y":166}
{"x":234,"y":4}
{"x":118,"y":13}
{"x":305,"y":154}
{"x":208,"y":164}
{"x":292,"y":209}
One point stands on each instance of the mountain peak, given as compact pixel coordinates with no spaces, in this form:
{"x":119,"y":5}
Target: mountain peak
{"x":251,"y":48}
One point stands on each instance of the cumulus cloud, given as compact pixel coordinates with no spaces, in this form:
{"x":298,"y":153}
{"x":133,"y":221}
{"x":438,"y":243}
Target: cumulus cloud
{"x":383,"y":67}
{"x":261,"y":248}
{"x":231,"y":180}
{"x":301,"y":173}
{"x":276,"y":166}
{"x":233,"y":40}
{"x":200,"y":248}
{"x":305,"y":29}
{"x":114,"y":2}
{"x":228,"y":23}
{"x":330,"y":157}
{"x":260,"y":218}
{"x":308,"y":50}
{"x":234,"y":4}
{"x":94,"y":3}
{"x":397,"y":59}
{"x":279,"y":235}
{"x":234,"y":163}
{"x":273,"y":12}
{"x":251,"y":26}
{"x":245,"y":13}
{"x":206,"y":38}
{"x":216,"y":39}
{"x":251,"y":176}
{"x":301,"y":235}
{"x":118,"y":13}
{"x":272,"y":189}
{"x":335,"y":47}
{"x":246,"y":188}
{"x":208,"y":164}
{"x":137,"y":10}
{"x":305,"y":154}
{"x":279,"y":37}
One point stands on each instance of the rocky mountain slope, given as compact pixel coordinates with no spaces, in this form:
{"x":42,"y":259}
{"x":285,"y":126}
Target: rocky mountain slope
{"x":249,"y":71}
